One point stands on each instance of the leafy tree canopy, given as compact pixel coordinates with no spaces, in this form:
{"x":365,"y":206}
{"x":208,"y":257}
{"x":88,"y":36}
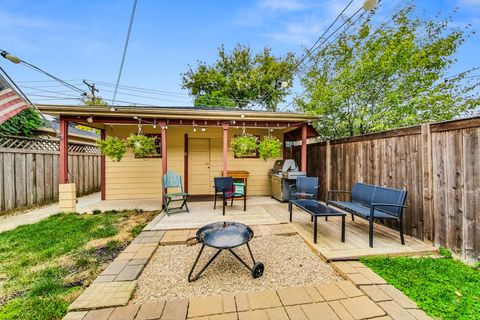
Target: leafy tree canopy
{"x":377,"y":78}
{"x":23,"y":123}
{"x":240,"y":78}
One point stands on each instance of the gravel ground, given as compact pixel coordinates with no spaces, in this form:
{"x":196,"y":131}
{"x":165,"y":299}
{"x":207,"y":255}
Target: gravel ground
{"x":288,"y":262}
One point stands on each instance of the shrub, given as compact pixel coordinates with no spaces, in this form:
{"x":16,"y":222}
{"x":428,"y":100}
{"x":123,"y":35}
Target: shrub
{"x":269,"y":148}
{"x":142,"y":146}
{"x":244,"y":145}
{"x":112,"y":147}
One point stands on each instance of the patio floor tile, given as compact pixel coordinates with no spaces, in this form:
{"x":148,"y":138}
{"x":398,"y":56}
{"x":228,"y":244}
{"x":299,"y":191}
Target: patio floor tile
{"x":319,"y":311}
{"x":75,"y":315}
{"x":395,"y":311}
{"x":124,"y":313}
{"x":175,"y":309}
{"x":150,"y":311}
{"x":264,"y":314}
{"x":101,"y":314}
{"x":263,"y":300}
{"x":375,"y":293}
{"x":204,"y":306}
{"x":330,"y":291}
{"x":293,"y":296}
{"x":358,"y":279}
{"x":398,"y":296}
{"x":103,"y":295}
{"x":372,"y":276}
{"x":225,"y":316}
{"x":349,"y":289}
{"x":340,"y":310}
{"x":130,"y":273}
{"x":343,"y":267}
{"x":362,"y":308}
{"x":418,"y":314}
{"x":314,"y":294}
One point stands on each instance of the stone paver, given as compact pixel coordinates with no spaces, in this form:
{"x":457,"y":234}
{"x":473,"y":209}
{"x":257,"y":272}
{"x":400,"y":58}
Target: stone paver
{"x":174,"y":310}
{"x":398,"y":296}
{"x":101,"y":314}
{"x":225,"y":316}
{"x":75,"y":315}
{"x":264,"y":314}
{"x":375,"y":293}
{"x":206,"y":306}
{"x":317,"y":310}
{"x":263,"y":300}
{"x":349,"y":289}
{"x":102,"y":295}
{"x":395,"y":311}
{"x":340,"y":310}
{"x":130,"y":272}
{"x":314,"y":294}
{"x":418,"y":314}
{"x":362,"y":308}
{"x":124,"y":313}
{"x":330,"y":291}
{"x":293,"y":296}
{"x":150,"y":311}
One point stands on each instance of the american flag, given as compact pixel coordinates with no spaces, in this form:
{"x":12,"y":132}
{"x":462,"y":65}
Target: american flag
{"x":10,"y":102}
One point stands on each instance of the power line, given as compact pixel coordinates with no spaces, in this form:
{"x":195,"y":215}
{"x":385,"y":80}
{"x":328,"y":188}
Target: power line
{"x":125,"y":49}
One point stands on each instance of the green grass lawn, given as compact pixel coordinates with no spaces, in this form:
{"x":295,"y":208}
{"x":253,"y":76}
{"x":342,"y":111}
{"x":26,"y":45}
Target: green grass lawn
{"x":443,"y":287}
{"x":46,"y":265}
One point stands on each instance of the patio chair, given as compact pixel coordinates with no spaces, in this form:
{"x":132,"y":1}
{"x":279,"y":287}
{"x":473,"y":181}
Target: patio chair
{"x":171,"y":180}
{"x":228,"y":189}
{"x":305,"y":187}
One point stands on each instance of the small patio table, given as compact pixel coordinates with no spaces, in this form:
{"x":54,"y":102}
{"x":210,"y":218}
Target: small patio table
{"x":317,"y":209}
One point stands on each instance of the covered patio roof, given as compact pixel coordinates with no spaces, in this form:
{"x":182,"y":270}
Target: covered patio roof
{"x":175,"y":115}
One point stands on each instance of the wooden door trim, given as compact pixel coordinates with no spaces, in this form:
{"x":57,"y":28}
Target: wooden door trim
{"x":185,"y":161}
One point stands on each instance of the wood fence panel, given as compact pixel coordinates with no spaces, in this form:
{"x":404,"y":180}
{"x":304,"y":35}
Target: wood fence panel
{"x":31,"y":177}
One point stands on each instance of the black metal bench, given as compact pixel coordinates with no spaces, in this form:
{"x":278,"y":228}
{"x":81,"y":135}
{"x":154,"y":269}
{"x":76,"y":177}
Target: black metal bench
{"x":373,"y":202}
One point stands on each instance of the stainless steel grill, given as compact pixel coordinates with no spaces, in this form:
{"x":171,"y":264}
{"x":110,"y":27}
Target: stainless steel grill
{"x":283,"y":174}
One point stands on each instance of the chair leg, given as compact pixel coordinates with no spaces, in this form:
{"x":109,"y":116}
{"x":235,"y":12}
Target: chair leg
{"x":231,"y":202}
{"x":370,"y":233}
{"x":353,"y":217}
{"x":245,"y":202}
{"x":402,"y":240}
{"x":215,"y":202}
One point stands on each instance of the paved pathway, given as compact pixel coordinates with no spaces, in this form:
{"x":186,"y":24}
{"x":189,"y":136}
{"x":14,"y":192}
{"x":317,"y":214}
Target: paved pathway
{"x":362,"y":295}
{"x":37,"y":214}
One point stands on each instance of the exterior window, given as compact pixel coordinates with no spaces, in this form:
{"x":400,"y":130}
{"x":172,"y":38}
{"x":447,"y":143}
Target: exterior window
{"x":158,"y":144}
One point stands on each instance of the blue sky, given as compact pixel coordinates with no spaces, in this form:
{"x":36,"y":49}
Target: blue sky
{"x":77,"y":40}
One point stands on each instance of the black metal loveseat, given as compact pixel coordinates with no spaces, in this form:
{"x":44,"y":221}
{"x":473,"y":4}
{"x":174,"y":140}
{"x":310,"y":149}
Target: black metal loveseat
{"x":373,"y":202}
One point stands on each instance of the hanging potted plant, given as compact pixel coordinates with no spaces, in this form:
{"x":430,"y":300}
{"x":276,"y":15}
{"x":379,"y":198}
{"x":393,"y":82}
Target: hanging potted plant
{"x":244,"y":145}
{"x":269,"y":148}
{"x":112,"y":147}
{"x":142,"y":146}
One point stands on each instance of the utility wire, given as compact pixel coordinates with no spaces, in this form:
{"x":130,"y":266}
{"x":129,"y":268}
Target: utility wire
{"x":125,"y":50}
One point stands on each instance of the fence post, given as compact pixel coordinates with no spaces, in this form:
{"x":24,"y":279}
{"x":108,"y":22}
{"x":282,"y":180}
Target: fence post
{"x":427,"y":176}
{"x":328,"y":171}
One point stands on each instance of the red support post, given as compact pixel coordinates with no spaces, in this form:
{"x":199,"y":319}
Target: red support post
{"x":303,"y":165}
{"x":225,"y":149}
{"x":163,"y":125}
{"x":102,"y":169}
{"x":63,"y":165}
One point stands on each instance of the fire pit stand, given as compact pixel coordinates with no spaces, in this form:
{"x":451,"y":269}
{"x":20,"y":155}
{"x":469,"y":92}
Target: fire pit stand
{"x":224,"y":236}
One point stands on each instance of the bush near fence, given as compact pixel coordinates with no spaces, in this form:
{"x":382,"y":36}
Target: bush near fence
{"x":438,"y":163}
{"x":29,"y":170}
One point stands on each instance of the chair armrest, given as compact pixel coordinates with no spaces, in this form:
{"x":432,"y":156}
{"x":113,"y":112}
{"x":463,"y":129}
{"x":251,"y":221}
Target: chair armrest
{"x":336,"y":191}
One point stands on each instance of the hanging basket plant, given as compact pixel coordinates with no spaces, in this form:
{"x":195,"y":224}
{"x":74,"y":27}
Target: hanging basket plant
{"x":244,"y":145}
{"x":142,"y":146}
{"x":269,"y":148}
{"x":112,"y":147}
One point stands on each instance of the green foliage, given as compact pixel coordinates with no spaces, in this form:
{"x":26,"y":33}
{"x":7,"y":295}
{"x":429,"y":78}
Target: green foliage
{"x":372,"y":80}
{"x":238,"y":77}
{"x":444,"y":252}
{"x":244,"y":145}
{"x":142,"y":146}
{"x":112,"y":147}
{"x":269,"y":148}
{"x":44,"y":264}
{"x":97,"y":101}
{"x":22,"y":124}
{"x":443,"y":288}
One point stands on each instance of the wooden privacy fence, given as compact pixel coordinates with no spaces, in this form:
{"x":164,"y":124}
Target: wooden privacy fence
{"x":438,"y":164}
{"x":29,"y":170}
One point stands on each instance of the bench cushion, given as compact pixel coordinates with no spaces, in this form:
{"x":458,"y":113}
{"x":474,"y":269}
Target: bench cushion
{"x":363,"y":193}
{"x":339,"y":204}
{"x":391,"y":196}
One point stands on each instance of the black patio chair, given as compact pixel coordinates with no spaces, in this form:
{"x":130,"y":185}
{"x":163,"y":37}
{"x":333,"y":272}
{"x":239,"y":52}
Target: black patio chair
{"x":305,"y":188}
{"x":228,"y":189}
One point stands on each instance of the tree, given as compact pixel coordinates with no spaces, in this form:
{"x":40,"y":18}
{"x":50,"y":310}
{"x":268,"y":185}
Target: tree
{"x":23,"y":123}
{"x":240,"y":78}
{"x":394,"y":76}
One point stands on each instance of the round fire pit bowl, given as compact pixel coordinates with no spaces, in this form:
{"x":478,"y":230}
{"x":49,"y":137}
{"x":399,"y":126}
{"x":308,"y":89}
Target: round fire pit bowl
{"x":224,"y":236}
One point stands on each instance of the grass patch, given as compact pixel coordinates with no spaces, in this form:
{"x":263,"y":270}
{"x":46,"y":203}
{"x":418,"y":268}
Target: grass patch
{"x":443,"y":287}
{"x":44,"y":266}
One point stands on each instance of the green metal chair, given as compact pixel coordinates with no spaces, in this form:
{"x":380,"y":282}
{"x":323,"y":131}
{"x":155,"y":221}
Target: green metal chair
{"x":172,"y":180}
